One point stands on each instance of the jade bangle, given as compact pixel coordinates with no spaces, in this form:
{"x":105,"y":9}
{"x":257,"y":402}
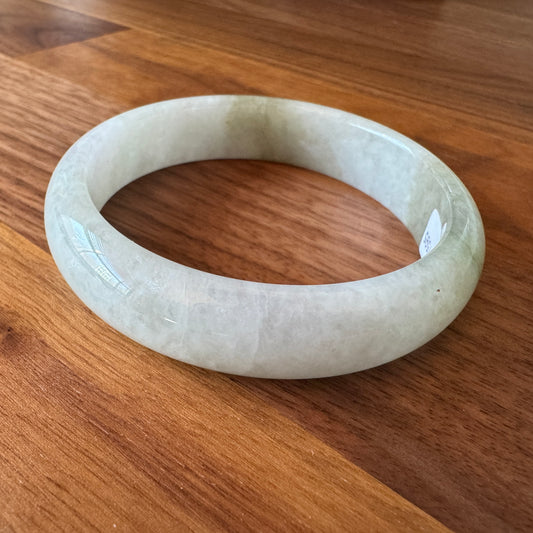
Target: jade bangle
{"x":261,"y":329}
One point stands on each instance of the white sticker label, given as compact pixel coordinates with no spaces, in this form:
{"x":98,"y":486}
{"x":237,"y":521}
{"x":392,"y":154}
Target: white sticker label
{"x":432,"y":234}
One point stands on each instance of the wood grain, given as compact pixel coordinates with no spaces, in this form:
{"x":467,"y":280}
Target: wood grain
{"x":87,"y":444}
{"x":262,"y":222}
{"x":422,"y":50}
{"x":29,"y":26}
{"x":137,"y":67}
{"x":448,"y":427}
{"x":33,"y":135}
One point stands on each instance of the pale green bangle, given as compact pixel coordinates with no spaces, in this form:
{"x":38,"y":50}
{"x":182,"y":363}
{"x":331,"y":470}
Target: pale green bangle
{"x":259,"y":329}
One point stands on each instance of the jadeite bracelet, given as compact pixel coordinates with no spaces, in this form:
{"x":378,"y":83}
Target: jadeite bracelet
{"x":261,"y":329}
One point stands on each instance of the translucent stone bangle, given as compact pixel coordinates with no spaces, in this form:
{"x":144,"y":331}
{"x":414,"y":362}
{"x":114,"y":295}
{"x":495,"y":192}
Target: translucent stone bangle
{"x":259,"y":329}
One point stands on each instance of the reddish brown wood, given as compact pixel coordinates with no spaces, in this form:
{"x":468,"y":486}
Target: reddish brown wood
{"x":27,"y":26}
{"x":460,"y":56}
{"x":262,"y":222}
{"x":100,"y":434}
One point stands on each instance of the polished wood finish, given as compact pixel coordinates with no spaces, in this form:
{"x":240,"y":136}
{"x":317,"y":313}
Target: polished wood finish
{"x":96,"y":430}
{"x":30,"y":26}
{"x":113,"y":436}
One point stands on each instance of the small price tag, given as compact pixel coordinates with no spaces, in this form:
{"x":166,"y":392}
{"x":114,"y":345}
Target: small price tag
{"x":432,"y":234}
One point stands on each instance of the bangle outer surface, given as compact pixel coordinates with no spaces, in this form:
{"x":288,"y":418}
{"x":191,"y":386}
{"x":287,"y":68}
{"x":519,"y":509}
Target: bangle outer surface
{"x":259,"y":329}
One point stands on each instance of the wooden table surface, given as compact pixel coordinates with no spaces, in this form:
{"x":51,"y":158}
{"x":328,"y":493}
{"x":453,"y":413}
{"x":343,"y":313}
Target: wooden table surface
{"x":99,"y":433}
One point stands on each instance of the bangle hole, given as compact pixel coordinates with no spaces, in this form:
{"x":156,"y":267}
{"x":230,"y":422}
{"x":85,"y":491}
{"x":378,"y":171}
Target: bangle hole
{"x":261,"y":221}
